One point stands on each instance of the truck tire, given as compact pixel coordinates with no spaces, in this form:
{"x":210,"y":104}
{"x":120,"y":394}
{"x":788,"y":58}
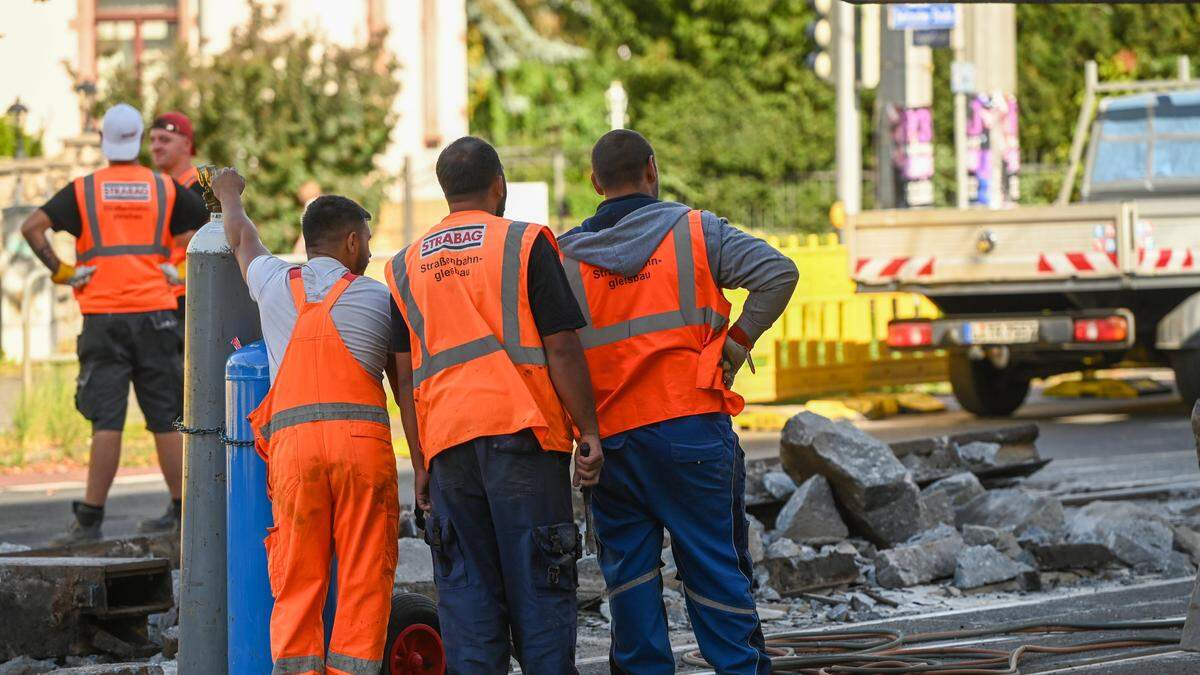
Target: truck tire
{"x":985,"y":390}
{"x":1186,"y":364}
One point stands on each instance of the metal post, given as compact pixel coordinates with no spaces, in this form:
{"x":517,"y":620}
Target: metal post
{"x":220,"y":312}
{"x":1091,"y":78}
{"x":409,"y":225}
{"x":1184,"y":65}
{"x":848,"y":152}
{"x":27,"y":328}
{"x":960,"y":118}
{"x":560,"y":187}
{"x":1190,"y":640}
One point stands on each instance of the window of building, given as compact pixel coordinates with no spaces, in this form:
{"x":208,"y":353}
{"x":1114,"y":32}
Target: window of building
{"x":135,"y":33}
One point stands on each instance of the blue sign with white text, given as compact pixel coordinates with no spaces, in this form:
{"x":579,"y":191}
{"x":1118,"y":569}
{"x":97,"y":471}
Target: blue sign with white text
{"x":932,"y":16}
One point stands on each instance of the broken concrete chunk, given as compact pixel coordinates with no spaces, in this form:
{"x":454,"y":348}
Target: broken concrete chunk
{"x":931,"y":555}
{"x":810,"y":570}
{"x":6,"y":547}
{"x":982,"y":565}
{"x":170,"y":642}
{"x":874,"y":488}
{"x":1136,"y":536}
{"x":1002,"y":540}
{"x":810,"y":515}
{"x":783,"y":548}
{"x":1014,"y":510}
{"x":979,"y":454}
{"x":778,"y":484}
{"x":23,"y":665}
{"x":677,"y":616}
{"x":591,"y":587}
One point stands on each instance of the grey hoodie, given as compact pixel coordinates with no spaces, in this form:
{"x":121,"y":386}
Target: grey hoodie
{"x":737,"y":259}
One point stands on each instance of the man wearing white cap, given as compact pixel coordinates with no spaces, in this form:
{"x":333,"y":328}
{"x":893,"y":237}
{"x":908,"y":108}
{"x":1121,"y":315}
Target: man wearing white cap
{"x":124,"y":218}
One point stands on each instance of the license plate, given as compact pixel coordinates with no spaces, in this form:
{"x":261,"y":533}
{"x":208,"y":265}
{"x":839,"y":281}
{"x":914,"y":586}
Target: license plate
{"x":1000,"y":332}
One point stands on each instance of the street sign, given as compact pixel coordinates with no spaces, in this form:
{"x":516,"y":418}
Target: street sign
{"x":938,"y":39}
{"x":931,"y":16}
{"x":962,"y":77}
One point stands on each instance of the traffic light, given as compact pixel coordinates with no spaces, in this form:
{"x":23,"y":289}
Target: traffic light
{"x":820,"y":31}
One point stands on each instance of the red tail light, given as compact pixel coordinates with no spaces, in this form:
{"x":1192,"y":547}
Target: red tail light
{"x":910,"y":334}
{"x":1104,"y":329}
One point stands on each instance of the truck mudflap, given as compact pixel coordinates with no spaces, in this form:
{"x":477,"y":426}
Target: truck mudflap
{"x":1082,"y":330}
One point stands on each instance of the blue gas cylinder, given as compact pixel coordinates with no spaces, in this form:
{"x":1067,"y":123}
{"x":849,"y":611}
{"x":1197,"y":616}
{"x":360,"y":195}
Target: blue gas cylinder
{"x":248,"y":515}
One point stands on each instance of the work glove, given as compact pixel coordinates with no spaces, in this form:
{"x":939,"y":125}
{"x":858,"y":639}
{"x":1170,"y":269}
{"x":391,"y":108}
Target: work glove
{"x":733,"y":356}
{"x":174,"y":274}
{"x":75,"y":277}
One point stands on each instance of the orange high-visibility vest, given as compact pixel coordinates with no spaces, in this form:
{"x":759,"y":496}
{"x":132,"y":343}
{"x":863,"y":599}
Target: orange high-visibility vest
{"x":125,"y":211}
{"x":179,"y":253}
{"x":479,"y":368}
{"x":654,"y":339}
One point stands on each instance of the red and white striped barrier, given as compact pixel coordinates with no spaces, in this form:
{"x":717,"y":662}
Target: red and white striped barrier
{"x":1072,"y":263}
{"x":886,"y":269}
{"x":1165,"y":260}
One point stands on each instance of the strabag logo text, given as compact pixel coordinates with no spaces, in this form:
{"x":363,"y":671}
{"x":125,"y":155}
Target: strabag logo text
{"x":454,"y":239}
{"x":126,"y":192}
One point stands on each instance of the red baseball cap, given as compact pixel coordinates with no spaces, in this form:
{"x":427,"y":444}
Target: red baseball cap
{"x":176,"y":123}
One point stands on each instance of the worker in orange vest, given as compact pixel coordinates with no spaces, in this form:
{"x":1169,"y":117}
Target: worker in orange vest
{"x":491,"y":377}
{"x":172,"y":147}
{"x":125,"y":218}
{"x":324,"y":433}
{"x":662,"y":352}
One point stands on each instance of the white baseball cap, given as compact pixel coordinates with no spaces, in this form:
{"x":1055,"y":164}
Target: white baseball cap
{"x":121,"y":134}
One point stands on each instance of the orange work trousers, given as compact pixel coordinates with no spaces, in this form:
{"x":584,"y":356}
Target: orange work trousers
{"x":333,"y":489}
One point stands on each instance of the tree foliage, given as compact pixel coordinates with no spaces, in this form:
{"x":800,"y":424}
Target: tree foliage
{"x":285,"y":109}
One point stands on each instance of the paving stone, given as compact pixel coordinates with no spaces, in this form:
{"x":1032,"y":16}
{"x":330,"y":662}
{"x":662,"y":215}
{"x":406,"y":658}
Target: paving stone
{"x":170,"y":642}
{"x":961,"y":488}
{"x":876,"y":492}
{"x":1014,"y":510}
{"x":591,"y":587}
{"x":1136,"y":536}
{"x":758,"y":549}
{"x":414,"y":568}
{"x":1002,"y":540}
{"x":982,"y":565}
{"x":1066,"y":555}
{"x":979,"y":454}
{"x":810,"y":514}
{"x":931,"y":555}
{"x":778,"y":484}
{"x":808,"y":569}
{"x":783,"y":548}
{"x":1187,"y":540}
{"x":139,"y":668}
{"x":24,"y":665}
{"x":936,"y":509}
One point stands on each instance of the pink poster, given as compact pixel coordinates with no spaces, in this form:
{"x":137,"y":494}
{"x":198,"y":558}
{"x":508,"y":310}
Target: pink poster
{"x":993,"y":150}
{"x":912,"y":155}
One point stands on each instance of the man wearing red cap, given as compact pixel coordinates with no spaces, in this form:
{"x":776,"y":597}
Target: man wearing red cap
{"x":172,"y":146}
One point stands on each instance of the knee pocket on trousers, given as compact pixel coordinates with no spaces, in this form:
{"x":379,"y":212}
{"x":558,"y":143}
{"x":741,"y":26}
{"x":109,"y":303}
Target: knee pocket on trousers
{"x":555,"y":550}
{"x":449,"y":565}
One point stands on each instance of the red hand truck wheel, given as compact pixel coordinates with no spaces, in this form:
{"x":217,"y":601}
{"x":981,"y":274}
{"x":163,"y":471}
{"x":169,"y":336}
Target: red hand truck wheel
{"x":414,"y":645}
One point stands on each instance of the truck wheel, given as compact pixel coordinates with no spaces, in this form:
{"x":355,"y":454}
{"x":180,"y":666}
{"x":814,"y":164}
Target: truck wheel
{"x":984,"y":389}
{"x":414,"y":645}
{"x":1186,"y":364}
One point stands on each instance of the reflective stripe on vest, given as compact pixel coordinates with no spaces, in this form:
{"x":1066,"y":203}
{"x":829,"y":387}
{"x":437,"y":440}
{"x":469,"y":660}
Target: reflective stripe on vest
{"x":688,"y":313}
{"x":318,"y":412}
{"x":510,"y":304}
{"x":99,"y":250}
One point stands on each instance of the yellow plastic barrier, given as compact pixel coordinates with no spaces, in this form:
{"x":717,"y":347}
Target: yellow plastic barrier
{"x":830,"y":339}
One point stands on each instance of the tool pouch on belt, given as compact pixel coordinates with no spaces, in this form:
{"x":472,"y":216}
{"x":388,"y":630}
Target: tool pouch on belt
{"x":555,"y":550}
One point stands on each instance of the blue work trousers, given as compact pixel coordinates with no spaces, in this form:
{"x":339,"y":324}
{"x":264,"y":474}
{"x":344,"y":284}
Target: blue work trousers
{"x":688,"y":476}
{"x":504,"y":546}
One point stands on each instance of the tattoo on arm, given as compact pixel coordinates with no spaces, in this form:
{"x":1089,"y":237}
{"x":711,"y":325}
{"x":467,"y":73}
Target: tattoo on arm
{"x":45,"y":252}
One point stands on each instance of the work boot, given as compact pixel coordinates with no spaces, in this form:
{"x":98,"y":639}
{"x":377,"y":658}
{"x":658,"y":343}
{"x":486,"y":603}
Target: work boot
{"x":167,"y":522}
{"x":86,"y":527}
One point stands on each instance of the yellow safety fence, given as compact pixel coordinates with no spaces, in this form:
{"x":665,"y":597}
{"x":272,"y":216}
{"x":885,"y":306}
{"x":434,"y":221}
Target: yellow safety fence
{"x":830,"y":339}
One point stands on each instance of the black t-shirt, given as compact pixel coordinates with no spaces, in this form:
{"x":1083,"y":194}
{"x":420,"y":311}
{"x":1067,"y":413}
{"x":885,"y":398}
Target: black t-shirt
{"x":190,"y":212}
{"x":550,"y":298}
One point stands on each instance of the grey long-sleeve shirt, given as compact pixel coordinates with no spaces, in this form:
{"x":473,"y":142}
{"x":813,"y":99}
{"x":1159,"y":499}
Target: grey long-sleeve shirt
{"x":737,"y":259}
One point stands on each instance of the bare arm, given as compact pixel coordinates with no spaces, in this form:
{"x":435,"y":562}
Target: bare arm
{"x":400,"y":375}
{"x":181,"y":240}
{"x":569,"y":373}
{"x":240,"y":231}
{"x":34,"y":230}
